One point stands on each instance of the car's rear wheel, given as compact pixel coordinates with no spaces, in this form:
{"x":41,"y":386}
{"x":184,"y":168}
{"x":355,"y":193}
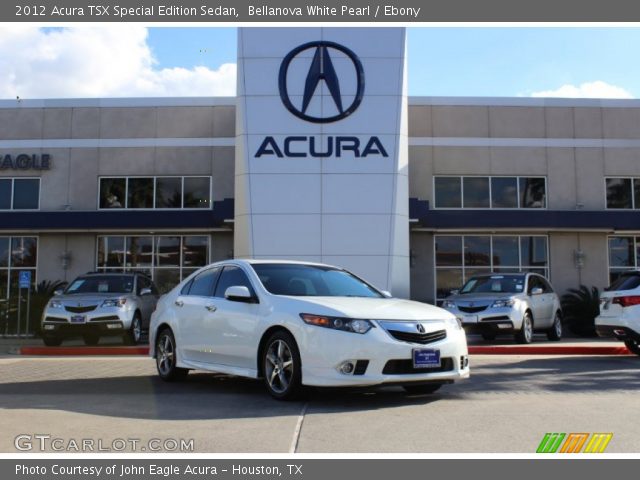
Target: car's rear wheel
{"x":133,"y":335}
{"x":422,"y":389}
{"x":633,"y":346}
{"x":555,"y":332}
{"x":91,"y":339}
{"x":166,"y":357}
{"x":52,"y":340}
{"x":281,"y":366}
{"x":525,"y":335}
{"x":488,"y":336}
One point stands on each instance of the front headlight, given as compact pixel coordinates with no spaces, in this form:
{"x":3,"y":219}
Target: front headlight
{"x":354,"y":325}
{"x":114,"y":302}
{"x":55,"y":304}
{"x":504,"y":303}
{"x":448,"y":304}
{"x":454,"y":323}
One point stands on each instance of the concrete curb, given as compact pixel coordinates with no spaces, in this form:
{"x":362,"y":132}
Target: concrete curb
{"x":61,"y":351}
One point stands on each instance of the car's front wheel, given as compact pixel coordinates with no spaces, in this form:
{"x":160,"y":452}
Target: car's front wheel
{"x":91,"y":339}
{"x":281,"y":366}
{"x":555,"y":332}
{"x":52,"y":340}
{"x":133,"y":335}
{"x":166,"y":357}
{"x":423,"y":389}
{"x":633,"y":346}
{"x":525,"y":335}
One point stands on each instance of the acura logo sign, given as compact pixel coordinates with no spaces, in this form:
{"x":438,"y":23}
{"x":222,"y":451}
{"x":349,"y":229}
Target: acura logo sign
{"x":420,"y":328}
{"x":322,"y":69}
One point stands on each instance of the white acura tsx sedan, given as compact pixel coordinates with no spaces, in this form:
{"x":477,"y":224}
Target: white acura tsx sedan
{"x":295,"y":324}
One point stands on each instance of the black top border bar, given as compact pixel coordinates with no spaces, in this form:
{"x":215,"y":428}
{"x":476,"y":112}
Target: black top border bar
{"x":332,"y":11}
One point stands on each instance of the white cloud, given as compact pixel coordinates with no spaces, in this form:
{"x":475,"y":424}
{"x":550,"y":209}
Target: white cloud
{"x":105,"y":61}
{"x":597,"y":89}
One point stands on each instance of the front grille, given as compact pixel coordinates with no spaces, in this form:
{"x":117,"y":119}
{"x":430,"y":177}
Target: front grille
{"x":422,"y":338}
{"x":405,"y":367}
{"x":84,"y":309}
{"x":472,"y":309}
{"x":55,"y":320}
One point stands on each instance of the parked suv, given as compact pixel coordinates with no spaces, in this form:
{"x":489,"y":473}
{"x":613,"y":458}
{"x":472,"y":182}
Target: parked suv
{"x":620,"y":311}
{"x":98,"y":304}
{"x":517,"y":303}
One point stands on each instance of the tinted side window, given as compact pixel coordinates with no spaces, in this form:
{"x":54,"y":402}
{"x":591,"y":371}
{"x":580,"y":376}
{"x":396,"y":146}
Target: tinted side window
{"x":232,"y":277}
{"x":204,"y":283}
{"x":625,"y":282}
{"x":143,"y":282}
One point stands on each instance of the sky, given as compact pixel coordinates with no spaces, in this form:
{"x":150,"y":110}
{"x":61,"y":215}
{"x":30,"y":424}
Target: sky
{"x":134,"y":60}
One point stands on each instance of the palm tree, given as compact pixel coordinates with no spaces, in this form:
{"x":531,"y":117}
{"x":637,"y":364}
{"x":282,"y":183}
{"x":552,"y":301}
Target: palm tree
{"x":580,"y":307}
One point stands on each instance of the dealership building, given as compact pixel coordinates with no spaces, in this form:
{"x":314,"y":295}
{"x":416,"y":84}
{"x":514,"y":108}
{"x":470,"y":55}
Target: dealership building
{"x":322,"y":156}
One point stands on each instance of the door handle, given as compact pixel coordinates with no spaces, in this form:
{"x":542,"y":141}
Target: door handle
{"x":179,"y":303}
{"x":211,"y":308}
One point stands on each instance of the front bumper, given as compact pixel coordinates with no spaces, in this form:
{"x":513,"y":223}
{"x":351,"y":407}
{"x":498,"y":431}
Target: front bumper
{"x":111,"y":321}
{"x":491,"y":320}
{"x":378,"y":358}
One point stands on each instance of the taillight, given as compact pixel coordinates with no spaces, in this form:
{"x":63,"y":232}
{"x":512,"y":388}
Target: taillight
{"x":627,"y":301}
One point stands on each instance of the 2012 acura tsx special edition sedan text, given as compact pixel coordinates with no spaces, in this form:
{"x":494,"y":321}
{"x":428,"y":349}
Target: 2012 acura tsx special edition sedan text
{"x":294,"y":324}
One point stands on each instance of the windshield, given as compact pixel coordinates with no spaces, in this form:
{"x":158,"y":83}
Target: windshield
{"x":312,"y":281}
{"x":495,"y":284}
{"x":101,"y":284}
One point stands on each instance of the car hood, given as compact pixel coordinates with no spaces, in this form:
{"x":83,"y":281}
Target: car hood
{"x":370,"y":308}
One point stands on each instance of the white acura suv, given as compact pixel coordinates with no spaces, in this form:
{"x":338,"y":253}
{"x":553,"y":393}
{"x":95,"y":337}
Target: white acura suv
{"x":620,"y":311}
{"x":294,"y":324}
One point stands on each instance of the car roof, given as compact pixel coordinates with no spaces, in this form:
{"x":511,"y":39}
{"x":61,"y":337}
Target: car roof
{"x":263,"y":261}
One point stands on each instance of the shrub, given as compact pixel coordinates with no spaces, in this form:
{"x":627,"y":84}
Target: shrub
{"x":580,"y":307}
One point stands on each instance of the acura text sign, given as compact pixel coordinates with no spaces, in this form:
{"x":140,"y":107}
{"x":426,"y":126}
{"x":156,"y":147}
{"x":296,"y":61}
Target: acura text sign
{"x":321,"y":157}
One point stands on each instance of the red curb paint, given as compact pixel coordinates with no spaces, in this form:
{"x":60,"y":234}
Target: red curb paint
{"x":548,"y":350}
{"x":84,"y":350}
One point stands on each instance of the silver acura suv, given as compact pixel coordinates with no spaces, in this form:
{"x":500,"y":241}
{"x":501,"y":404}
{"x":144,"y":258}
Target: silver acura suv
{"x":518,"y":304}
{"x":100,"y":304}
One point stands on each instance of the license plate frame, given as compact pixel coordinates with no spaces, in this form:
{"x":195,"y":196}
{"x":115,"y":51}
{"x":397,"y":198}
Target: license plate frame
{"x":426,"y":358}
{"x":78,"y":319}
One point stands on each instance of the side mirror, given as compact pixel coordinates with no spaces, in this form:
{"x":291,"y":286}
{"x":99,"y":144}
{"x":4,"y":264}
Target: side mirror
{"x":58,"y":292}
{"x":145,"y":291}
{"x":537,"y":291}
{"x":239,"y":294}
{"x":455,"y":291}
{"x":386,"y":293}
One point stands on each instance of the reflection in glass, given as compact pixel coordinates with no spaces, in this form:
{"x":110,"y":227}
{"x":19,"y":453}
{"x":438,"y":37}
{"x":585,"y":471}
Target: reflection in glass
{"x":195,"y":251}
{"x":447,"y":279}
{"x":140,"y":193}
{"x":533,"y":193}
{"x":169,"y":192}
{"x":4,"y":252}
{"x":477,"y":250}
{"x":166,"y":278}
{"x":621,"y":252}
{"x":110,"y":252}
{"x":24,"y":251}
{"x":448,"y":251}
{"x":636,"y":191}
{"x":505,"y":251}
{"x":5,"y":194}
{"x":504,"y":192}
{"x":139,"y":251}
{"x":619,"y":193}
{"x":196,"y":192}
{"x":168,"y":252}
{"x":476,"y":192}
{"x":448,"y":192}
{"x":26,"y":193}
{"x":4,"y":290}
{"x":112,"y":192}
{"x":534,"y":251}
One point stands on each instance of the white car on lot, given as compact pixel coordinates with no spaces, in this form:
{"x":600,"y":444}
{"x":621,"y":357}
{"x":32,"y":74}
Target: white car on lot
{"x":620,"y":311}
{"x":295,"y":324}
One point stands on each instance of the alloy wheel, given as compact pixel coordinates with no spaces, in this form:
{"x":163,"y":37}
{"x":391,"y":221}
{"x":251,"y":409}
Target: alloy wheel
{"x":165,"y":357}
{"x":279,"y":366}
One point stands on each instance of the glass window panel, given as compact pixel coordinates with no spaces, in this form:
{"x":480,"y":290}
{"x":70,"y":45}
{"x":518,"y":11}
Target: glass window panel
{"x":196,"y":192}
{"x":169,"y":192}
{"x":4,"y":252}
{"x":477,"y":250}
{"x":139,"y":251}
{"x":26,"y":193}
{"x":533,"y":251}
{"x":504,"y":192}
{"x":472,"y":272}
{"x":5,"y":194}
{"x":24,"y":252}
{"x":505,"y":251}
{"x":476,"y":192}
{"x":140,"y":193}
{"x":110,"y":252}
{"x":4,"y":291}
{"x":204,"y":283}
{"x":186,"y":272}
{"x":166,"y":278}
{"x":448,"y":192}
{"x":506,"y":270}
{"x":636,"y":192}
{"x":618,"y":192}
{"x":448,"y":251}
{"x":112,"y":192}
{"x":621,"y":252}
{"x":195,"y":251}
{"x":448,"y":279}
{"x":168,"y":251}
{"x":533,"y":193}
{"x":615,"y":273}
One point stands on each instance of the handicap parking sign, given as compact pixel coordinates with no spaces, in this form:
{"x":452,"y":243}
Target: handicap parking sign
{"x":24,"y":279}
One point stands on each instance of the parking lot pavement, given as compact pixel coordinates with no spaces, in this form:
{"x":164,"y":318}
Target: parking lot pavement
{"x":507,"y":406}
